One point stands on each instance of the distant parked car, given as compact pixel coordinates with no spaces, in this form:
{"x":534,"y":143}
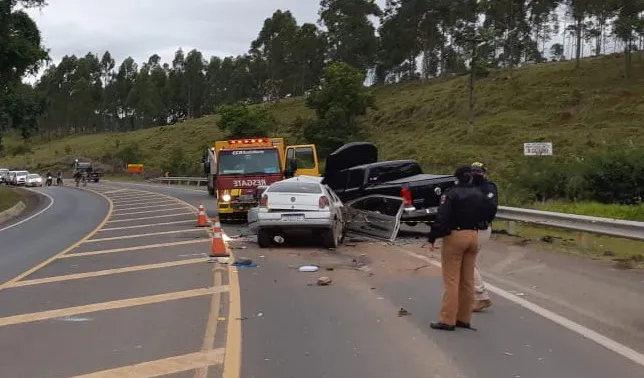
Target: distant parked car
{"x":11,"y":178}
{"x":21,"y":178}
{"x":298,"y":203}
{"x":4,"y":175}
{"x":33,"y":180}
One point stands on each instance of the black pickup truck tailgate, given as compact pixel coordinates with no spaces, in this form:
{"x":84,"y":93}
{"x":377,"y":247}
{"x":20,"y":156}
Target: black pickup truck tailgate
{"x":426,"y":189}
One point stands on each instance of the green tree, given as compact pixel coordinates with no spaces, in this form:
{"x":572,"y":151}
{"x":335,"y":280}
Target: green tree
{"x":21,"y":53}
{"x":274,"y":51}
{"x":338,"y":103}
{"x":310,"y":47}
{"x":193,"y":83}
{"x":350,"y":35}
{"x":240,"y":121}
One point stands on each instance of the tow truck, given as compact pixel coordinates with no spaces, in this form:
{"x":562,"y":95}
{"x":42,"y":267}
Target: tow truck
{"x":237,"y":168}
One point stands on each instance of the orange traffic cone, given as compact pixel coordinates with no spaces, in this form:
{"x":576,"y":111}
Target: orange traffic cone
{"x":218,"y":247}
{"x":202,"y":220}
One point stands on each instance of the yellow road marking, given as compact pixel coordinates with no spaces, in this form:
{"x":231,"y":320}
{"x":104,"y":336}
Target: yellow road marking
{"x":156,"y":216}
{"x":139,"y":199}
{"x":136,"y":197}
{"x":130,"y":207}
{"x":142,"y":235}
{"x":211,"y":325}
{"x":111,"y":190}
{"x":232,"y":361}
{"x":112,"y":305}
{"x":159,"y":202}
{"x":137,"y":248}
{"x":148,"y":211}
{"x":166,"y":366}
{"x":66,"y":250}
{"x":146,"y":225}
{"x":130,"y":196}
{"x":107,"y":272}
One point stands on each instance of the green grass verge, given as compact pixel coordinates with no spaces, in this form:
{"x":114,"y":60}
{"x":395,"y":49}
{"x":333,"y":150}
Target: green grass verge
{"x":626,"y":253}
{"x":8,"y":198}
{"x":625,"y":212}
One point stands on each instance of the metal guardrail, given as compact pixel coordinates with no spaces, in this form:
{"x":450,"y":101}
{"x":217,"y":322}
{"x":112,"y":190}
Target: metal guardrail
{"x":596,"y":225}
{"x":582,"y":223}
{"x":199,"y":181}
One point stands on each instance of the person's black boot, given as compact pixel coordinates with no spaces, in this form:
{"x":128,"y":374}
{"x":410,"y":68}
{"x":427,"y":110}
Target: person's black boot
{"x":464,"y":325}
{"x":442,"y":326}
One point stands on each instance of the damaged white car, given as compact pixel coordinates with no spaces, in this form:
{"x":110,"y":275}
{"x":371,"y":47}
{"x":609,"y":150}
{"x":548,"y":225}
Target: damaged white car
{"x":304,"y":203}
{"x":298,"y":203}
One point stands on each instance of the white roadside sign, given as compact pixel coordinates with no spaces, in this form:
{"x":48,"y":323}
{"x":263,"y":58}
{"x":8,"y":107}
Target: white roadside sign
{"x":537,"y":149}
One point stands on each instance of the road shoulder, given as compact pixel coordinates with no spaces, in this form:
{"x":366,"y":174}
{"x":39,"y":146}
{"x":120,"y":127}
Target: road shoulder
{"x":592,"y":293}
{"x":16,"y":202}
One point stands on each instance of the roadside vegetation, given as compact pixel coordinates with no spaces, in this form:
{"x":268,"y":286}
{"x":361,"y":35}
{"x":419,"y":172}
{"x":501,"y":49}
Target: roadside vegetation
{"x":303,"y":82}
{"x":8,"y":198}
{"x":594,"y":170}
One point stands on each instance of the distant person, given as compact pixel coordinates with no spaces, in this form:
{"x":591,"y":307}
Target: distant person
{"x":459,"y":215}
{"x":490,"y":191}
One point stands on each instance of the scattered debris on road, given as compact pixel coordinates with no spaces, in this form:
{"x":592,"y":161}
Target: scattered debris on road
{"x":403,"y":312}
{"x":243,"y":261}
{"x":324,"y":281}
{"x":309,"y":268}
{"x":73,"y":319}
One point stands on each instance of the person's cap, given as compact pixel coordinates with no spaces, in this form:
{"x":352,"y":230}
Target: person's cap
{"x":477,"y":166}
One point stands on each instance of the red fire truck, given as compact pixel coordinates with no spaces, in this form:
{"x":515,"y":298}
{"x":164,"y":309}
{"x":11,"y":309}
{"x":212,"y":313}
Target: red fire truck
{"x":235,"y":168}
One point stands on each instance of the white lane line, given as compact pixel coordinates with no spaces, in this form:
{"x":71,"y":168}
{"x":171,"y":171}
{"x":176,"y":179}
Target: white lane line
{"x":588,"y":333}
{"x":51,"y":203}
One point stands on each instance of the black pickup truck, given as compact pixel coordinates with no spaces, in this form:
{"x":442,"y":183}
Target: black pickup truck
{"x":353,"y":172}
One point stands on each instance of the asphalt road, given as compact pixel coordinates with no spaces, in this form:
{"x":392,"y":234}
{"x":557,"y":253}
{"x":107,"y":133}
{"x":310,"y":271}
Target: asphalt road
{"x":137,"y":297}
{"x":293,"y":328}
{"x":25,"y":242}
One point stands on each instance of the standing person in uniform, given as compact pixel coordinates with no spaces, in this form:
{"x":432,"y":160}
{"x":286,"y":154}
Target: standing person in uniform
{"x":490,"y":191}
{"x":459,"y":215}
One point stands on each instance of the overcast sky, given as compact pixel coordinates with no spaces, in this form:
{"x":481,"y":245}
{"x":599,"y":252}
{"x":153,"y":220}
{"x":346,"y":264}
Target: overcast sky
{"x":140,"y":28}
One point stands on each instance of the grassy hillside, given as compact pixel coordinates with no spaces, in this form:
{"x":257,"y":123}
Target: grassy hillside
{"x":591,"y":109}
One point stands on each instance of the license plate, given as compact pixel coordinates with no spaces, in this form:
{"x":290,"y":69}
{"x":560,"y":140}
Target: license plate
{"x":293,"y":217}
{"x":432,"y":210}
